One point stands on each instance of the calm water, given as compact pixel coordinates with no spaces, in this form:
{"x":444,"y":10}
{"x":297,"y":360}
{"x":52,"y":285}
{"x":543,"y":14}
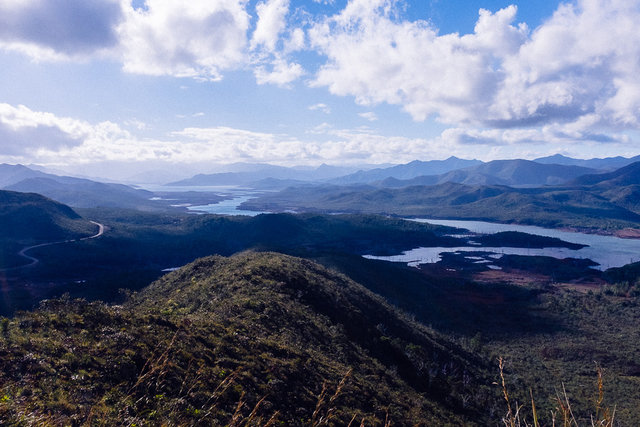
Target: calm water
{"x":229,"y":206}
{"x":225,"y":207}
{"x":607,"y":251}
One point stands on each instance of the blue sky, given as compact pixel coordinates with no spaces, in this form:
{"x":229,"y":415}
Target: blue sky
{"x":113,"y":87}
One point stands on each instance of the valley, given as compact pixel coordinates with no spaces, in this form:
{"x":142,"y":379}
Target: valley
{"x":364,"y":295}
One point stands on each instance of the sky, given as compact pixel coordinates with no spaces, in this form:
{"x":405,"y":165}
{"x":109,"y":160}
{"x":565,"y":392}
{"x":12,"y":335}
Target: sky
{"x":116,"y":87}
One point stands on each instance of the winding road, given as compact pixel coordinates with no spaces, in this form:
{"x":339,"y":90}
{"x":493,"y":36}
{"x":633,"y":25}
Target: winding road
{"x":34,"y":261}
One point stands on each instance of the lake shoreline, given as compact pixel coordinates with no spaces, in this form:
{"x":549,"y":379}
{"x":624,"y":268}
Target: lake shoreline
{"x":624,"y":233}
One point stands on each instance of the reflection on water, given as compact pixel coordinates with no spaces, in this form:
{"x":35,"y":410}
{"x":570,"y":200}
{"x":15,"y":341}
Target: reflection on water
{"x":607,"y":251}
{"x":227,"y":207}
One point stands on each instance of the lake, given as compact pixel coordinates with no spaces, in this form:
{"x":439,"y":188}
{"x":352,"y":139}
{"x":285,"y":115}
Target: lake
{"x":229,"y":206}
{"x":607,"y":251}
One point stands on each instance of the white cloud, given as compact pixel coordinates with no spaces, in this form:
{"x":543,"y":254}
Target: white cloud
{"x":35,"y":136}
{"x":272,"y":43}
{"x":199,"y":38}
{"x":369,"y":115}
{"x":40,"y":137}
{"x":25,"y":131}
{"x":279,"y":72}
{"x":271,"y":22}
{"x":378,"y":58}
{"x":320,"y":107}
{"x":583,"y":61}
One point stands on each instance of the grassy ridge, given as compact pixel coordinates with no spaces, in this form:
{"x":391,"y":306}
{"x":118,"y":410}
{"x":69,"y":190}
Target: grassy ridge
{"x":264,"y":330}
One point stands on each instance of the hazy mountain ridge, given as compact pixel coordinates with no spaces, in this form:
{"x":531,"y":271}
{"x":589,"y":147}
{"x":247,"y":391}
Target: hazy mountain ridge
{"x":76,"y":192}
{"x":12,"y":174}
{"x":609,"y":205}
{"x":84,"y":193}
{"x":607,"y":163}
{"x":409,"y":170}
{"x":245,"y":174}
{"x":500,"y":172}
{"x":541,"y":171}
{"x":625,"y":176}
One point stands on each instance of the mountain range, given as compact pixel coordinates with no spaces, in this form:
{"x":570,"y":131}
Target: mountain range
{"x":86,"y":193}
{"x":410,"y":170}
{"x":553,"y":170}
{"x":594,"y":201}
{"x":248,"y":174}
{"x":500,"y":172}
{"x":607,"y":163}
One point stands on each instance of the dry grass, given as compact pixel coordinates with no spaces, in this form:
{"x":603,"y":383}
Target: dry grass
{"x":563,"y":414}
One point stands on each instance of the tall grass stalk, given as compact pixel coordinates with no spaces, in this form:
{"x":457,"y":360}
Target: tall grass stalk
{"x":563,"y":414}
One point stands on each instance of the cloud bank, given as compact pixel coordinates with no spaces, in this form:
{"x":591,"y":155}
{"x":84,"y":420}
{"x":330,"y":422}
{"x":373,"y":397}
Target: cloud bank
{"x":47,"y":139}
{"x":580,"y":66}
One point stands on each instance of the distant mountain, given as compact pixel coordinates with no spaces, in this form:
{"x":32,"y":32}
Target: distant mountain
{"x":628,"y":175}
{"x":608,"y":163}
{"x":276,"y":184}
{"x":76,"y":192}
{"x":544,"y":206}
{"x":158,"y":176}
{"x":500,"y":172}
{"x":406,"y":171}
{"x":11,"y":174}
{"x":516,"y":172}
{"x":240,"y":341}
{"x":84,"y":193}
{"x":247,"y":174}
{"x":31,"y":217}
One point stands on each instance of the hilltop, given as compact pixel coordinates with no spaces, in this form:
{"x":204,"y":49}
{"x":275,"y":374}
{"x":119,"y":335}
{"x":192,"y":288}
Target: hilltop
{"x":28,"y":219}
{"x":222,"y":337}
{"x":32,"y":217}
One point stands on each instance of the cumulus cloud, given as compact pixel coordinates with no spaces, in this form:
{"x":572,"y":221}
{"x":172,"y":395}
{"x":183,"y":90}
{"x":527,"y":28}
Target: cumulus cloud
{"x":279,"y":72}
{"x":29,"y":135}
{"x":24,"y":131}
{"x":271,"y":22}
{"x":273,"y":42}
{"x":377,"y":57}
{"x":199,"y":38}
{"x":59,"y":28}
{"x":582,"y":62}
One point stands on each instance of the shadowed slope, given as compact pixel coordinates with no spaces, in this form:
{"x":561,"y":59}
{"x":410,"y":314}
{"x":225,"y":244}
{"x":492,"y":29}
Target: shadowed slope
{"x":226,"y":330}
